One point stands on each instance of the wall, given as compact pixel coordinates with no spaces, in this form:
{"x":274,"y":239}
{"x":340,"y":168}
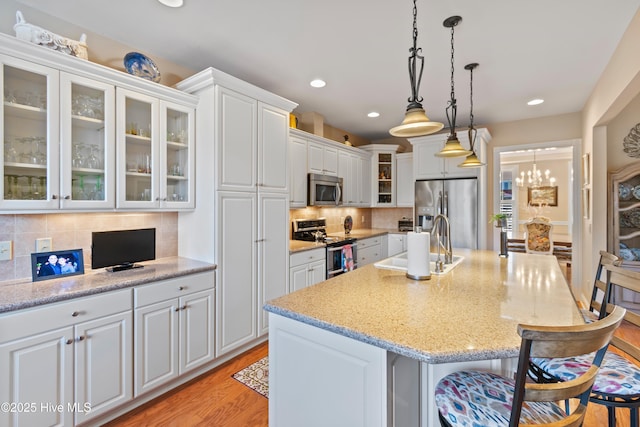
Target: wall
{"x":73,"y":231}
{"x":102,"y":51}
{"x":617,"y":130}
{"x":617,"y":87}
{"x":523,"y":132}
{"x":335,"y":217}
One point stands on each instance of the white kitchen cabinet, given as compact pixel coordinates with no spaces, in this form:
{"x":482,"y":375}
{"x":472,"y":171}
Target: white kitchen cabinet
{"x":397,"y":243}
{"x":427,"y":166}
{"x":405,"y":183}
{"x":370,"y":250}
{"x":58,"y":121}
{"x":307,"y":268}
{"x":174,"y":329}
{"x":155,"y":152}
{"x":322,"y":158}
{"x":243,"y":221}
{"x":298,"y":172}
{"x":273,"y":232}
{"x":74,"y":355}
{"x":383,"y":174}
{"x":349,"y":182}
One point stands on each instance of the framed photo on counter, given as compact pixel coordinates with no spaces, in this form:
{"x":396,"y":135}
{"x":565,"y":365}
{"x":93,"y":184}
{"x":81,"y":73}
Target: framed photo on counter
{"x":56,"y":264}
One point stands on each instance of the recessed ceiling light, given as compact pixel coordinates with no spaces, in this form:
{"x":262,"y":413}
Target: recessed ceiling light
{"x":172,"y":3}
{"x":318,"y":83}
{"x":535,"y":101}
{"x":373,"y":114}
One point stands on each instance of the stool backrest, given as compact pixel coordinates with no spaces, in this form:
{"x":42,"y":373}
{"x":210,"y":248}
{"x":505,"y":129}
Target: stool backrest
{"x":629,"y":281}
{"x":562,"y":341}
{"x":600,"y":289}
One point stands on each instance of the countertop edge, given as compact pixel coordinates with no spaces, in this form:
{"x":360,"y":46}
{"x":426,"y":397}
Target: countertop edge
{"x":390,"y":346}
{"x":125,"y":279}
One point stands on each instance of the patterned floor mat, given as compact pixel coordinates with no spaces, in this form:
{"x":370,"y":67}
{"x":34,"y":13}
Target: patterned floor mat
{"x":256,"y":376}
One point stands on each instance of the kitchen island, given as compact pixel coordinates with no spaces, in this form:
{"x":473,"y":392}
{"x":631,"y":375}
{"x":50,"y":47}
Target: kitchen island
{"x":367,"y":348}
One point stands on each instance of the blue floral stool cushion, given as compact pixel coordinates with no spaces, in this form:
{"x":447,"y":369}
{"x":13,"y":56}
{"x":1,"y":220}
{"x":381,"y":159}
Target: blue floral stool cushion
{"x":484,"y":399}
{"x":617,"y":376}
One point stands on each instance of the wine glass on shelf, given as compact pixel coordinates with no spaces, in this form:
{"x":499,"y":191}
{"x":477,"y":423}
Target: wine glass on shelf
{"x":80,"y":193}
{"x":43,"y":187}
{"x":97,"y":193}
{"x":78,"y":160}
{"x":10,"y":152}
{"x":92,"y":161}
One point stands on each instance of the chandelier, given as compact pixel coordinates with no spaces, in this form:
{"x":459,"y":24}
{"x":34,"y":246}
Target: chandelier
{"x":535,"y":178}
{"x":416,"y":122}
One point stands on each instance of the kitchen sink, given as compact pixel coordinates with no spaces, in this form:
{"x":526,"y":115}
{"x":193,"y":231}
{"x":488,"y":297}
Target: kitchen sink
{"x":399,"y":262}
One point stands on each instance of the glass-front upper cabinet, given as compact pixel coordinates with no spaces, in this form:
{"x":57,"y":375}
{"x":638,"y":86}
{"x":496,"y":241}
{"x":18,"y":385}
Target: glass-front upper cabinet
{"x":87,"y":110}
{"x":177,"y":157}
{"x":155,"y":152}
{"x":30,"y":130}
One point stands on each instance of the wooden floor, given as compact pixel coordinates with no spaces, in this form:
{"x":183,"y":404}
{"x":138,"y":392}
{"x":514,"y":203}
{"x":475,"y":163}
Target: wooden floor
{"x":216,"y":399}
{"x":212,"y":400}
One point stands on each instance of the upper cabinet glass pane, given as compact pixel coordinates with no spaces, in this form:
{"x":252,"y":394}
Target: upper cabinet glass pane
{"x":177,"y":155}
{"x":25,"y":135}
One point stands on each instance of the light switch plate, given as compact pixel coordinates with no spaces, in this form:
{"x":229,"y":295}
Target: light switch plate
{"x":6,"y":250}
{"x":44,"y":244}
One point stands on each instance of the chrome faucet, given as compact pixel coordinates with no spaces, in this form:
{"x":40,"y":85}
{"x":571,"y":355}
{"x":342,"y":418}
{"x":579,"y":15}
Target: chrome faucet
{"x":448,"y":253}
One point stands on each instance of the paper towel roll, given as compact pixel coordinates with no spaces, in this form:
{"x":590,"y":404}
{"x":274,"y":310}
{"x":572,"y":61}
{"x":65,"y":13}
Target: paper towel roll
{"x":418,"y":255}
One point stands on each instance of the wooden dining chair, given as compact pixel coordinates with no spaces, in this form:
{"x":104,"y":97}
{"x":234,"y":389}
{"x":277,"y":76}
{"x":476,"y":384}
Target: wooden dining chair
{"x":537,"y":237}
{"x":599,"y":288}
{"x":475,"y":398}
{"x":618,"y":382}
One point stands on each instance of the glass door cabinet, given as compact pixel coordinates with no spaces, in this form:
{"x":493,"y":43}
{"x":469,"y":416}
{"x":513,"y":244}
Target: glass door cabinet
{"x":30,"y":131}
{"x":155,"y":145}
{"x":87,"y":158}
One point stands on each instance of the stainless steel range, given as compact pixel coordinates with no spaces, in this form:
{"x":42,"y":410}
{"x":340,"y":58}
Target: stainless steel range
{"x":341,"y":249}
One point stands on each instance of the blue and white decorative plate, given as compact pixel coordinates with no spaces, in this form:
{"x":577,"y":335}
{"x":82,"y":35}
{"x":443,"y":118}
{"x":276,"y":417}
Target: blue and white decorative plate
{"x":624,"y":191}
{"x":141,"y":66}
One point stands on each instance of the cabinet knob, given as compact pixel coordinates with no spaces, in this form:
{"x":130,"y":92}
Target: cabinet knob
{"x":181,"y":288}
{"x":75,"y":314}
{"x":80,"y":338}
{"x":184,"y":307}
{"x":164,"y":199}
{"x":69,"y":341}
{"x":157,"y":199}
{"x":67,"y":197}
{"x":54,"y":197}
{"x":177,"y":309}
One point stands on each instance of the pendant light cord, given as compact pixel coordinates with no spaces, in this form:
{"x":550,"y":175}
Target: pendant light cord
{"x":452,"y":108}
{"x":472,"y":130}
{"x":413,"y":58}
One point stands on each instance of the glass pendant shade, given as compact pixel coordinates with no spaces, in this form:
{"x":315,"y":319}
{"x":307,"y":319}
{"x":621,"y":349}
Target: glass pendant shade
{"x":471,"y":161}
{"x":415,"y":123}
{"x":453,"y":148}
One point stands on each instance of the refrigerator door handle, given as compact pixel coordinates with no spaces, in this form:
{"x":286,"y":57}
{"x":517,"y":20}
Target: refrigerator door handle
{"x":445,"y":205}
{"x":439,"y":205}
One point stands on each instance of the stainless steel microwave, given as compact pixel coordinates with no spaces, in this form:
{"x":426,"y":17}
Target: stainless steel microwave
{"x":324,"y":190}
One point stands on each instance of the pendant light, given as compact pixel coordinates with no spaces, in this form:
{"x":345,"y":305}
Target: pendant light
{"x":472,"y":160}
{"x":452,"y":148}
{"x":416,"y":122}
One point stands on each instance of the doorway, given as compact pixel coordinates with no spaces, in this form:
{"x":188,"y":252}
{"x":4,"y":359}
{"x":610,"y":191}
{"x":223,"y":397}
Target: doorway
{"x":557,"y":165}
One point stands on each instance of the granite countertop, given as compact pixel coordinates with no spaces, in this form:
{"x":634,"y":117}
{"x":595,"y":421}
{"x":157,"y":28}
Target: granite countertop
{"x":364,"y":233}
{"x":24,"y":294}
{"x":470,"y":313}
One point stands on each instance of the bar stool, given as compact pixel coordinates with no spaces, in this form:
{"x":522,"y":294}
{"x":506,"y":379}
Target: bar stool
{"x":474,"y":398}
{"x":618,"y":382}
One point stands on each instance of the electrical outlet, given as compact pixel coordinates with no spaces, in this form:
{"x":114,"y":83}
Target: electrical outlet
{"x":44,"y":244}
{"x":6,"y":250}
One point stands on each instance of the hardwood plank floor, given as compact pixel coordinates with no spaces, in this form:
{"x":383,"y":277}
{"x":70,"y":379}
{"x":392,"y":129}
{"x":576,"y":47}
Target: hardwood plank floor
{"x":213,"y":400}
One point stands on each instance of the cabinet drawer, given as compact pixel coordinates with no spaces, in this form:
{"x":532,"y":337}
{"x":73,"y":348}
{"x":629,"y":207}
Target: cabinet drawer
{"x":304,"y":257}
{"x":365,"y":243}
{"x":52,"y":316}
{"x":368,"y":255}
{"x":172,"y":288}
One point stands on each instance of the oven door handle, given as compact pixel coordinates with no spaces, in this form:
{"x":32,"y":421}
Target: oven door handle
{"x":339,"y":248}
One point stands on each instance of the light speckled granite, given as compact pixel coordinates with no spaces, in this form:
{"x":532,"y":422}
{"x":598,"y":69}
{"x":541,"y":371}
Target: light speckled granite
{"x":468,"y":314}
{"x":19,"y":295}
{"x":300,"y":245}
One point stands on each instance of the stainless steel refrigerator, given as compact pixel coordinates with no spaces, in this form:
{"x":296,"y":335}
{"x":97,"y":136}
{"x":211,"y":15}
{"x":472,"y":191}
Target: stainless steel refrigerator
{"x":455,"y":198}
